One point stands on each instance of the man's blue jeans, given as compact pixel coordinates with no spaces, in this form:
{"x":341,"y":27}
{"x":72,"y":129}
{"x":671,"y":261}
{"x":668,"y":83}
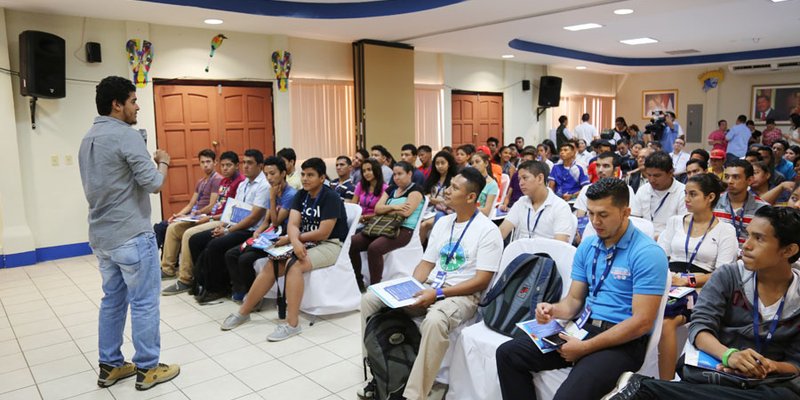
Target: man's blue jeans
{"x":131,"y":274}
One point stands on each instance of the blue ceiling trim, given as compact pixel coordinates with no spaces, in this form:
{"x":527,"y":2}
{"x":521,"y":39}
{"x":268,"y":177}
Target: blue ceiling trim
{"x":297,"y":9}
{"x":534,"y":47}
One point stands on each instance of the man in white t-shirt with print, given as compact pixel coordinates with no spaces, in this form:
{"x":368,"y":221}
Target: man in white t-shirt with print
{"x":662,"y":196}
{"x":463,"y":253}
{"x":539,"y":213}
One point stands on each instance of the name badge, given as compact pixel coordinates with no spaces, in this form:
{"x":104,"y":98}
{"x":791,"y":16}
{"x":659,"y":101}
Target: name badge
{"x":439,"y":281}
{"x":587,"y":312}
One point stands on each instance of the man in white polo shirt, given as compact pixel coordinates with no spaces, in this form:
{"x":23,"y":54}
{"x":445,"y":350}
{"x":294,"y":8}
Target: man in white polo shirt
{"x":662,"y":196}
{"x":539,"y":213}
{"x":608,"y":165}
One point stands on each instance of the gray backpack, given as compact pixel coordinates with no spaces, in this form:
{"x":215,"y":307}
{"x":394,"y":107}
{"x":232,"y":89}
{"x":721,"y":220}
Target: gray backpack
{"x":392,"y":342}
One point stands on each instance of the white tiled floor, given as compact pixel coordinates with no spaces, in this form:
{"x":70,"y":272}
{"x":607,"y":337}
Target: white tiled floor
{"x":48,"y":345}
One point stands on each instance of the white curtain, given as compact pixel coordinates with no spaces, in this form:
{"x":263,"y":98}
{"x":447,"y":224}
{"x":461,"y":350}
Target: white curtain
{"x":601,"y":108}
{"x":429,"y":107}
{"x":323,"y":121}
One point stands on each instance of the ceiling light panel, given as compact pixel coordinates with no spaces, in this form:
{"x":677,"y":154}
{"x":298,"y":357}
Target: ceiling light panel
{"x":583,"y":27}
{"x":638,"y":41}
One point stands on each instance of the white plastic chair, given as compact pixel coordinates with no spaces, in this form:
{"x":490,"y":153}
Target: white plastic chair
{"x":644,"y":225}
{"x":333,"y":289}
{"x":548,"y":382}
{"x":474,"y":368}
{"x":399,"y":262}
{"x":505,"y":180}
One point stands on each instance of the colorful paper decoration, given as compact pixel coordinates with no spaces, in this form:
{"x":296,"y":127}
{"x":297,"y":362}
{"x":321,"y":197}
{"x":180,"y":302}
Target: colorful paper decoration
{"x":216,"y":42}
{"x":282,"y":65}
{"x":140,"y":56}
{"x":711,"y":79}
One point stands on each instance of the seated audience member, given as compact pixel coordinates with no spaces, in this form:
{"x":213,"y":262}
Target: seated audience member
{"x":567,"y":177}
{"x":405,"y":200}
{"x":755,"y":134}
{"x":608,"y":166}
{"x":637,"y":135}
{"x":746,"y":316}
{"x":717,"y":164}
{"x":635,"y":178}
{"x":620,"y":131}
{"x":281,"y":195}
{"x":408,"y":153}
{"x":209,"y":247}
{"x":618,"y":279}
{"x":480,"y":161}
{"x":655,"y":146}
{"x":696,"y":167}
{"x":627,"y":155}
{"x":504,"y":160}
{"x":600,"y":147}
{"x":444,"y":169}
{"x":493,"y":144}
{"x":290,"y":158}
{"x":520,"y":142}
{"x":794,"y":200}
{"x":783,"y":165}
{"x":753,"y":156}
{"x":343,"y":184}
{"x":448,"y":149}
{"x":760,"y":186}
{"x":514,"y":192}
{"x":584,"y":155}
{"x":202,"y":202}
{"x":515,"y":154}
{"x":679,"y":157}
{"x":792,"y":154}
{"x":385,"y":161}
{"x":545,"y":154}
{"x":358,"y":159}
{"x":737,"y":206}
{"x":699,"y":154}
{"x":662,"y":196}
{"x":463,"y":254}
{"x":231,"y":178}
{"x":318,"y":217}
{"x":425,"y":154}
{"x":464,"y":155}
{"x":492,"y":167}
{"x":539,"y":213}
{"x":370,"y":189}
{"x":696,"y":244}
{"x":768,"y":157}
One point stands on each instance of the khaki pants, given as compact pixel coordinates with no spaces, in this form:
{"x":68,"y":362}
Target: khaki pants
{"x":177,"y":239}
{"x":440,"y":319}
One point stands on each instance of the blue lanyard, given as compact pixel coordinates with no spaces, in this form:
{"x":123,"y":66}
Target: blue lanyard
{"x":690,"y":260}
{"x":535,"y":224}
{"x":612,"y":252}
{"x":455,"y":246}
{"x":661,"y":204}
{"x":316,"y":201}
{"x":756,"y":317}
{"x":740,"y":226}
{"x":244,"y":193}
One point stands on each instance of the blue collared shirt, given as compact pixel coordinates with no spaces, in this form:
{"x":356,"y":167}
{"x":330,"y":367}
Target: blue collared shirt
{"x":669,"y":136}
{"x":737,"y":138}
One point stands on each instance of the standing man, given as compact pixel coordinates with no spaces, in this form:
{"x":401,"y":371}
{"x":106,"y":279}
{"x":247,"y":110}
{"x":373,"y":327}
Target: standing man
{"x":671,"y":132}
{"x":771,"y":133}
{"x":662,"y":196}
{"x":717,"y":138}
{"x":737,"y":138}
{"x":585,"y":130}
{"x":118,"y":178}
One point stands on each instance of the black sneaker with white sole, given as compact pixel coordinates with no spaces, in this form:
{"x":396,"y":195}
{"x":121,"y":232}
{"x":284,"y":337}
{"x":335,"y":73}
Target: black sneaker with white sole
{"x":628,"y":386}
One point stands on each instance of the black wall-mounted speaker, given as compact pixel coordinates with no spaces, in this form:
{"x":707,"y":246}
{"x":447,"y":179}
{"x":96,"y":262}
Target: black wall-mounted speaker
{"x":526,"y":85}
{"x":42,"y":65}
{"x":93,"y":54}
{"x":549,"y":91}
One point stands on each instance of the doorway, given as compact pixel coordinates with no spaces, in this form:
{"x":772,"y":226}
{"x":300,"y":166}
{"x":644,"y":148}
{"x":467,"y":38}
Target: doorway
{"x":476,"y":117}
{"x":196,"y":115}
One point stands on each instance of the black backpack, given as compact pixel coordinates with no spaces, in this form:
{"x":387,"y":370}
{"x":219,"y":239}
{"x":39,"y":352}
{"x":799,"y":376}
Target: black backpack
{"x":392,"y":342}
{"x":528,"y":280}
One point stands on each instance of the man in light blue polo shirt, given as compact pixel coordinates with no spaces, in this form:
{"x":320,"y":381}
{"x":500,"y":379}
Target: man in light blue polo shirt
{"x":671,"y":132}
{"x":618,"y":280}
{"x":738,"y":138}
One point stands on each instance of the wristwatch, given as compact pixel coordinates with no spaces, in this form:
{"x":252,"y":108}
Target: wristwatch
{"x":439,"y":294}
{"x":692,"y":280}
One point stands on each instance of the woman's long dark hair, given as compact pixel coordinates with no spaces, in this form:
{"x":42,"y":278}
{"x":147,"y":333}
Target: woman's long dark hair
{"x":377,"y":174}
{"x":434,"y":176}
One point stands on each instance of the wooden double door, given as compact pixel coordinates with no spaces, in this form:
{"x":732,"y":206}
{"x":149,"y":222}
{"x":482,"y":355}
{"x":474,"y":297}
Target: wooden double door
{"x":190,"y":118}
{"x":476,"y":117}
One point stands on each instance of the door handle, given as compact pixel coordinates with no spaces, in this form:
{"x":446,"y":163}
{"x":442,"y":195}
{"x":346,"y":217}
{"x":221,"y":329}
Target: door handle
{"x":214,"y":143}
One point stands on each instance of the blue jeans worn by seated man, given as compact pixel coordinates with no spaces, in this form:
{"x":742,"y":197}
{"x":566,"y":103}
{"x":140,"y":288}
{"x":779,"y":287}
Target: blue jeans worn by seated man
{"x":131,"y":274}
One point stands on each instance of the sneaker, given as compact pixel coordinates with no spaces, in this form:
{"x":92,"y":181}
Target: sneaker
{"x":177,"y":288}
{"x":234,"y":320}
{"x":238,"y":297}
{"x":147,"y":378}
{"x":208,"y":297}
{"x":110,"y":375}
{"x":628,"y":386}
{"x":165,"y":276}
{"x":283,"y":332}
{"x":368,"y":391}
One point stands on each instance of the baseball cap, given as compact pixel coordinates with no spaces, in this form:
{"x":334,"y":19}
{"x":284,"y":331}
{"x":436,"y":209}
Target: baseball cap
{"x":718,"y":154}
{"x":484,"y":149}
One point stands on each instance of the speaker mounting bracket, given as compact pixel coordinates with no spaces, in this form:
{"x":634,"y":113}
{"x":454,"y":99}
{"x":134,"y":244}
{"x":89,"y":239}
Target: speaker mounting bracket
{"x":539,"y":112}
{"x":33,"y":111}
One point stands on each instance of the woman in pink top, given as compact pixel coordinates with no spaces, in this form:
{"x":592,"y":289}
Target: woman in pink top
{"x":717,"y":138}
{"x":370,"y":189}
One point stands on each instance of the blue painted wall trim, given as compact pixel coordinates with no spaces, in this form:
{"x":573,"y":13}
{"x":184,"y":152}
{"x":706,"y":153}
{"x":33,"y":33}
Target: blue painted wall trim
{"x":44,"y":254}
{"x":541,"y":48}
{"x":297,"y":9}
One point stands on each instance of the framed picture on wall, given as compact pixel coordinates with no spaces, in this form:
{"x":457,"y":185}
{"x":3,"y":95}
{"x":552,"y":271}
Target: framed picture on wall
{"x":659,"y":101}
{"x":774,"y":101}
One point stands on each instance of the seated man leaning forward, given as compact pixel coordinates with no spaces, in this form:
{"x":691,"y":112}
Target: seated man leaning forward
{"x":317,"y":217}
{"x":761,"y":294}
{"x":618,"y":280}
{"x":463,"y":254}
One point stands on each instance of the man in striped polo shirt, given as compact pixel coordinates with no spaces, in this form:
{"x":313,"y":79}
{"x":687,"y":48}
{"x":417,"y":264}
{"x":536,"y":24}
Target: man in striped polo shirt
{"x":737,"y":206}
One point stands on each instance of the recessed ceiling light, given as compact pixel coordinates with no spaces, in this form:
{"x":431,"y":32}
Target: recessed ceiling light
{"x":580,"y":67}
{"x":778,"y":1}
{"x":582,"y":27}
{"x":213,"y":21}
{"x":623,"y":11}
{"x":507,"y":56}
{"x":644,"y":40}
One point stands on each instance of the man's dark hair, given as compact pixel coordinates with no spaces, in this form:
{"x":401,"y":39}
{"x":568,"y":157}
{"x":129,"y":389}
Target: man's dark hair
{"x":623,"y":141}
{"x":519,"y":137}
{"x":702,"y":153}
{"x":766,"y":152}
{"x":703,"y":165}
{"x":753,"y":153}
{"x":405,"y":166}
{"x":656,"y":144}
{"x":783,"y":143}
{"x":230,"y":156}
{"x":741,"y":119}
{"x":569,"y":143}
{"x":720,"y":122}
{"x":364,"y":153}
{"x":785,"y":222}
{"x":708,"y":183}
{"x":381,"y":149}
{"x":468,"y":148}
{"x":562,"y":119}
{"x":671,"y":114}
{"x":410,"y":147}
{"x":769,"y":121}
{"x":536,"y":168}
{"x":208,"y":153}
{"x":659,"y":160}
{"x":346,"y":159}
{"x":255,"y":154}
{"x":616,"y":160}
{"x":287,"y":153}
{"x":318,"y":165}
{"x":493,"y":140}
{"x":475,"y":181}
{"x":585,"y":117}
{"x":109,"y":89}
{"x":277,"y":162}
{"x":610,"y":187}
{"x":739,"y":163}
{"x":425,"y":147}
{"x":749,"y":122}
